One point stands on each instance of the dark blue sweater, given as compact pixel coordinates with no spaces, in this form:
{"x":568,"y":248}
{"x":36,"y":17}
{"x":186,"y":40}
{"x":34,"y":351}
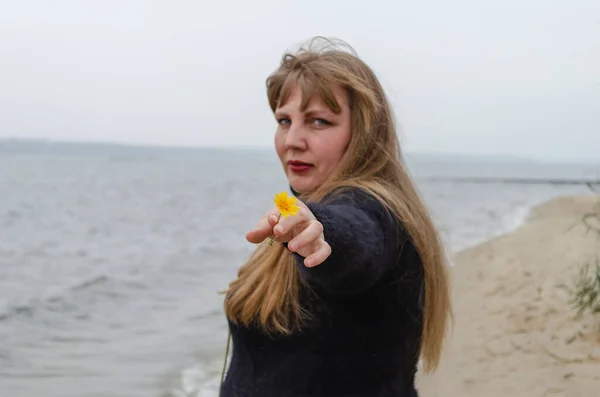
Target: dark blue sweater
{"x":366,"y":302}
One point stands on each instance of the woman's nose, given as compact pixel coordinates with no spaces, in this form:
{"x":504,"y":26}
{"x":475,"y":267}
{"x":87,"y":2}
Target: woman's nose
{"x":296,"y":137}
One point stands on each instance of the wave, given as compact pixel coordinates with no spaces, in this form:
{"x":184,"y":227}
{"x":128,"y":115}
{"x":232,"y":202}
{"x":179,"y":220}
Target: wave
{"x":57,"y":302}
{"x":507,"y":223}
{"x":100,"y":279}
{"x":516,"y":218}
{"x":211,"y":313}
{"x":198,"y":381}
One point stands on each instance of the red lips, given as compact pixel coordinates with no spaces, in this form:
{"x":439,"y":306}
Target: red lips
{"x":298,"y":166}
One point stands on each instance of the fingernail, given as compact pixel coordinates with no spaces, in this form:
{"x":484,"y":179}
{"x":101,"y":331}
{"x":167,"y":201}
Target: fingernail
{"x":274,"y":218}
{"x":308,"y":263}
{"x":277,"y":229}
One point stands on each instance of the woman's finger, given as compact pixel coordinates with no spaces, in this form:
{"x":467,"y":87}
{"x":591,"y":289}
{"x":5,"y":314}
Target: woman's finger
{"x":260,"y":232}
{"x":312,"y":232}
{"x":272,"y":219}
{"x":263,"y":229}
{"x":319,"y":256}
{"x":287,"y":224}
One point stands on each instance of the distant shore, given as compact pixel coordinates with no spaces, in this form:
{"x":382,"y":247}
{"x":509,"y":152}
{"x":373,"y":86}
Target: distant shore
{"x":515,"y":332}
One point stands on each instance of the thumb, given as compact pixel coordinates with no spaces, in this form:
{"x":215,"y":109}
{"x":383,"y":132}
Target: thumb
{"x":263,"y":230}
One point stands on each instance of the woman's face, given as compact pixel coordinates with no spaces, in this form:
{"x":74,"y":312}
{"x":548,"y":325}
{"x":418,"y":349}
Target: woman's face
{"x":311,"y":143}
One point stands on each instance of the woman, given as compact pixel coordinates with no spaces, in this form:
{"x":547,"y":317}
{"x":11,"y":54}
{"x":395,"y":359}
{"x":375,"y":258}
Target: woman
{"x":356,"y":290}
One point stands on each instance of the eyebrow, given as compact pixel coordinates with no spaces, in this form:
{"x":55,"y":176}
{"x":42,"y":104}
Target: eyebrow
{"x":315,"y":112}
{"x":308,"y":112}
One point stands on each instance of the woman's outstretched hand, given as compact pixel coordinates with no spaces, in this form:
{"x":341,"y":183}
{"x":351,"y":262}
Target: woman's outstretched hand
{"x":303,"y":233}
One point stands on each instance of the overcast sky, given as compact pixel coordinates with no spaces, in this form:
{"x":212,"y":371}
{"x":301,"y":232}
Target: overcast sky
{"x":465,"y":76}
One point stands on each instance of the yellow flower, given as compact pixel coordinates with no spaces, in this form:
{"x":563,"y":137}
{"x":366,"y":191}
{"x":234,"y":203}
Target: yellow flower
{"x":287,"y":207}
{"x":286,"y":204}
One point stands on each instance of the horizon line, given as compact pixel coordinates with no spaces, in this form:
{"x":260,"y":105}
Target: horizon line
{"x":150,"y":145}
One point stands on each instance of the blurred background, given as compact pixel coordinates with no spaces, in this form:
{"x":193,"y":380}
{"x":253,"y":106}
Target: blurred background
{"x":136,"y":151}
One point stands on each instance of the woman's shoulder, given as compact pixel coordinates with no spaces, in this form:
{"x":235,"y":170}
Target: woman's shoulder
{"x":362,"y":200}
{"x":365,"y":200}
{"x":354,"y":196}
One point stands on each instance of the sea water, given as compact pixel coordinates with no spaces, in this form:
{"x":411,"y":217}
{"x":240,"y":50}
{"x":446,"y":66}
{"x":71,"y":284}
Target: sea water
{"x":111,"y":264}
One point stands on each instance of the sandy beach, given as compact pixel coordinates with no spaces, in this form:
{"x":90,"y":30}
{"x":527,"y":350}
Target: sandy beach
{"x":514,"y":330}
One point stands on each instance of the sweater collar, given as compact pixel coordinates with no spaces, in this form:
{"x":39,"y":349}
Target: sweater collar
{"x":295,"y":193}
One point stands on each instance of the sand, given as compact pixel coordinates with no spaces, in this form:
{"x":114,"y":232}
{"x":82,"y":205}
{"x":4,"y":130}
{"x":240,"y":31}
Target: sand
{"x":515,"y":333}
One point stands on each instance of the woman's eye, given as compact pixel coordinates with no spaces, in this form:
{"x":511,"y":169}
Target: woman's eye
{"x":321,"y":122}
{"x":284,"y":121}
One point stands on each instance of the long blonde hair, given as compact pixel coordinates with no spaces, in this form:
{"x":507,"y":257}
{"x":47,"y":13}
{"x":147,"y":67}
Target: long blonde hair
{"x":267,"y":289}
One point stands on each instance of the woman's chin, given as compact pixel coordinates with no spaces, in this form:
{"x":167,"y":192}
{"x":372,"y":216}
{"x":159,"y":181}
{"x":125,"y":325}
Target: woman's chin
{"x":300,"y":185}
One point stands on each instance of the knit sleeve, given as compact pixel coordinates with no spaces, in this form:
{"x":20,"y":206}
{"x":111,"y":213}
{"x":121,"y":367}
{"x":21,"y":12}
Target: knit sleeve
{"x":364,"y":238}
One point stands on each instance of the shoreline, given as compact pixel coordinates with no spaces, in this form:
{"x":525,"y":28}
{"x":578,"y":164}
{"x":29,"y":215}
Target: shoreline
{"x":514,"y":331}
